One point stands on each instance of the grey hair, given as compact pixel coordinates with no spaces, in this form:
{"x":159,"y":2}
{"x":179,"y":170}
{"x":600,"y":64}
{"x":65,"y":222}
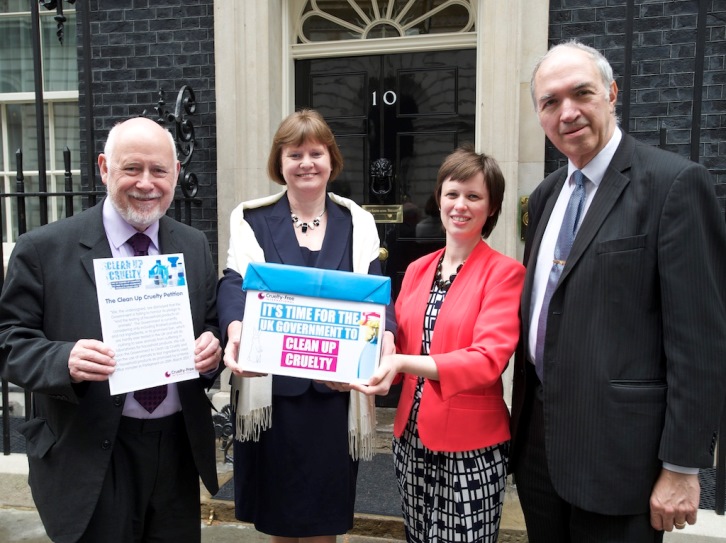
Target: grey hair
{"x":602,"y":64}
{"x":113,"y":135}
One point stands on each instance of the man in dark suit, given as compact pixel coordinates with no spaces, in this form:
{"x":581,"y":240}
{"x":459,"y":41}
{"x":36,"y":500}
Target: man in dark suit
{"x":619,"y":384}
{"x":109,"y":467}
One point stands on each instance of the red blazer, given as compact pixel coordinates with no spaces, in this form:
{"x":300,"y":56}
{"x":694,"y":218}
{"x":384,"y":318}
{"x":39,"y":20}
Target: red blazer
{"x":476,"y":332}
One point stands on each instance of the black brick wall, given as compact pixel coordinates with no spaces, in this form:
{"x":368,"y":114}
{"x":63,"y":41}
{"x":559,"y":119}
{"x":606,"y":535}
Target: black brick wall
{"x":663,"y":66}
{"x":140,"y":47}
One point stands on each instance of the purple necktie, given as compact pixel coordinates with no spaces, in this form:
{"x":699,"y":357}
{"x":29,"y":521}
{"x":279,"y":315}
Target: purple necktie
{"x":149,"y":398}
{"x":565,"y":238}
{"x":140,"y":244}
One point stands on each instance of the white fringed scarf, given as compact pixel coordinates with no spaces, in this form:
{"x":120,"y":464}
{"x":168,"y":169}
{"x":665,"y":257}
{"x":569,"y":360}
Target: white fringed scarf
{"x":252,"y":396}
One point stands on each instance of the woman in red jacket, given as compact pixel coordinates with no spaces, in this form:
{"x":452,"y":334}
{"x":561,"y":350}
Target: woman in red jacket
{"x":458,"y":326}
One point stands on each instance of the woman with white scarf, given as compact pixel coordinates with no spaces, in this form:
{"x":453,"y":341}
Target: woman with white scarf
{"x":297,"y":441}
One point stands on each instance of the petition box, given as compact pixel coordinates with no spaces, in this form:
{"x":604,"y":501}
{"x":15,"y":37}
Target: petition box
{"x":308,"y":322}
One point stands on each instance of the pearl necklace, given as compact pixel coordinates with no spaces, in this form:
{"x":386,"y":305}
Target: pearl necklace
{"x":304,"y":226}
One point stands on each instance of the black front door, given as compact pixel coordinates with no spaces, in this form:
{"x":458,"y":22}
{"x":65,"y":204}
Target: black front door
{"x":395,"y":118}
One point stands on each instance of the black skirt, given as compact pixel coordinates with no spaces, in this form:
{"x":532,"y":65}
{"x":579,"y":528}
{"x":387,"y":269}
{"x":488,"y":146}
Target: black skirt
{"x":298,"y":480}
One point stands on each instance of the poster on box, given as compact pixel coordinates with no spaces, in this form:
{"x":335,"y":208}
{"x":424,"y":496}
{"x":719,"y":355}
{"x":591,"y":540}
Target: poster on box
{"x":319,"y":324}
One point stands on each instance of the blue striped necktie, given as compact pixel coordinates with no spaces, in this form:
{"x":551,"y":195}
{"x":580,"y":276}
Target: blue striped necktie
{"x":565,"y":238}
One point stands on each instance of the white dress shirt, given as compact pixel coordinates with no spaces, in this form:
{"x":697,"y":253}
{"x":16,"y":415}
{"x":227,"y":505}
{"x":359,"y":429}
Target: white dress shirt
{"x":594,"y":171}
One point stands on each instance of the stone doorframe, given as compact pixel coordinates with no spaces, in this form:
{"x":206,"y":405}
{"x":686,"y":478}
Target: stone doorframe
{"x":254,"y":57}
{"x":255,"y":88}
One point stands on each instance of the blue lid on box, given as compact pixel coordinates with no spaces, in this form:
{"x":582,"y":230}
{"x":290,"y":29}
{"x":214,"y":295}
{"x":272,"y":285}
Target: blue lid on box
{"x":340,"y":285}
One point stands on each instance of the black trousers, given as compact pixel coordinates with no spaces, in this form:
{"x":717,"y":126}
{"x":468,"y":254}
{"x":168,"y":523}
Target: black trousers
{"x":551,"y":519}
{"x":151,"y":490}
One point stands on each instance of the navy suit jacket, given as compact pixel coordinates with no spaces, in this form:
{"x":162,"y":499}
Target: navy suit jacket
{"x":275,"y":233}
{"x":48,"y":303}
{"x":635,"y":345}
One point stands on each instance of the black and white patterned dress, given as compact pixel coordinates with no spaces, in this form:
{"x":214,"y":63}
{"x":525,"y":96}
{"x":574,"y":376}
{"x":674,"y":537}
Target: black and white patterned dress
{"x":447,"y":497}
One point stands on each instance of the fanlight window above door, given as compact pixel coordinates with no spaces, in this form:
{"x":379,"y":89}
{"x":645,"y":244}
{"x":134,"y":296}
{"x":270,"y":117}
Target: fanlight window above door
{"x":331,"y":20}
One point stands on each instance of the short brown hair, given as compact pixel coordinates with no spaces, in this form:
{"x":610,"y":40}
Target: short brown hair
{"x":297,"y":128}
{"x":464,"y":163}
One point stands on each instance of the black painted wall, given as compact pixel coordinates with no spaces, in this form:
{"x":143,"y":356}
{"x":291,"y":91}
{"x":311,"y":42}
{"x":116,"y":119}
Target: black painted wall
{"x":664,"y":38}
{"x":140,"y":47}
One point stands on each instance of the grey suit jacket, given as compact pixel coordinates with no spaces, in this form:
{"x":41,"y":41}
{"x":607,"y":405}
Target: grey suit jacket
{"x":635,"y":350}
{"x":48,"y":303}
